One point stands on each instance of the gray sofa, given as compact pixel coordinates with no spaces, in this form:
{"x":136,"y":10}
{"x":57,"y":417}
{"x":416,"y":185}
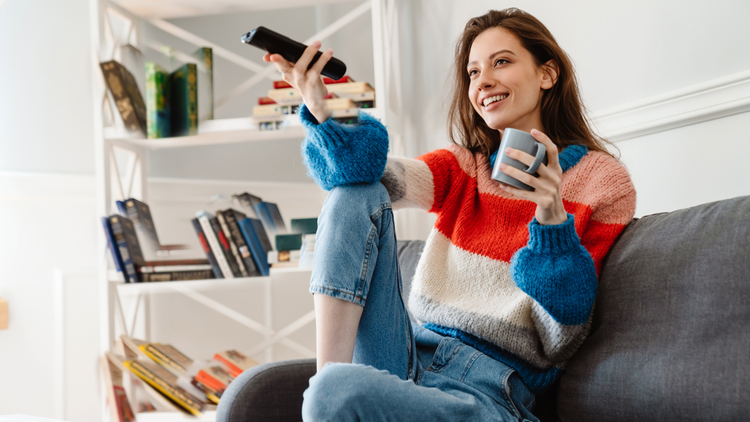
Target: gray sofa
{"x":670,"y":339}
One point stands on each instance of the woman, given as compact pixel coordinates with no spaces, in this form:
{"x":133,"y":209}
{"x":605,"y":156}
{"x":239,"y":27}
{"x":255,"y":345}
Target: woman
{"x":506,"y":284}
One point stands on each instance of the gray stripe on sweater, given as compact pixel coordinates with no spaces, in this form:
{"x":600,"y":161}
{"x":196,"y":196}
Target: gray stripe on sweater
{"x":551,"y":344}
{"x":394,"y":180}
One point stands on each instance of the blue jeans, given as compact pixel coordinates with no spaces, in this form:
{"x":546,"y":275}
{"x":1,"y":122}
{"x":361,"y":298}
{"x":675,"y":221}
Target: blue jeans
{"x":399,"y":371}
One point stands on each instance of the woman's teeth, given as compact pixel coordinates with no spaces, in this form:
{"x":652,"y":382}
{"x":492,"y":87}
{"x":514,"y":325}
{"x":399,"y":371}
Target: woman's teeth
{"x":490,"y":100}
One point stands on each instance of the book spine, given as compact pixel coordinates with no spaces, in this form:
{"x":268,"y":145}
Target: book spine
{"x":244,"y":250}
{"x":275,"y":214}
{"x":131,"y":276}
{"x":232,"y":244}
{"x":140,"y":214}
{"x":215,"y":247}
{"x":265,"y":217}
{"x":131,"y":237}
{"x":224,"y":245}
{"x":162,"y":358}
{"x":256,"y":248}
{"x":111,"y":244}
{"x":189,"y":403}
{"x":206,"y":57}
{"x":206,"y":248}
{"x":127,"y":97}
{"x":178,"y":276}
{"x":157,"y":104}
{"x":171,"y":268}
{"x":260,"y":232}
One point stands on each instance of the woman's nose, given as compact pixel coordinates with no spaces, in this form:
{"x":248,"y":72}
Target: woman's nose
{"x":485,"y":82}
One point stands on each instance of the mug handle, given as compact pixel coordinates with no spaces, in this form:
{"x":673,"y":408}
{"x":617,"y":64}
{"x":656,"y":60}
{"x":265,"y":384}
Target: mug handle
{"x":541,"y":151}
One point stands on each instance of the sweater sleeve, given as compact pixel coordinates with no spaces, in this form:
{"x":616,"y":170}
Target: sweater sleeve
{"x":337,"y":155}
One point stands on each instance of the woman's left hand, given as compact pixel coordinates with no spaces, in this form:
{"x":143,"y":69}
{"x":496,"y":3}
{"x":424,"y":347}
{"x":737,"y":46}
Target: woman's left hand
{"x":546,"y":195}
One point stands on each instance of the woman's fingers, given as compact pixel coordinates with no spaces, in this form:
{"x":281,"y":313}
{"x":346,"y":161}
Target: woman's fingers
{"x":552,"y":159}
{"x":320,"y":64}
{"x":304,"y":61}
{"x":282,"y":65}
{"x":519,"y":175}
{"x":525,"y":158}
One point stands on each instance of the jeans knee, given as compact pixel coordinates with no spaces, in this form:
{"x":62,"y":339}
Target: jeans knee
{"x":332,"y":394}
{"x":367,"y":198}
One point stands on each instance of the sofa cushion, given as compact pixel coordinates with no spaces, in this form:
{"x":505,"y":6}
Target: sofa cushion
{"x":671,"y":332}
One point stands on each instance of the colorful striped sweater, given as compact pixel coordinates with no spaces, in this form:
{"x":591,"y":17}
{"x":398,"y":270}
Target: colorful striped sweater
{"x":490,"y":274}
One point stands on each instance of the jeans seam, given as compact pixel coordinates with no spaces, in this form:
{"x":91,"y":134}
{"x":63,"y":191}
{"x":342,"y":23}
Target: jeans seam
{"x":365,"y":264}
{"x":474,"y":357}
{"x":357,"y":299}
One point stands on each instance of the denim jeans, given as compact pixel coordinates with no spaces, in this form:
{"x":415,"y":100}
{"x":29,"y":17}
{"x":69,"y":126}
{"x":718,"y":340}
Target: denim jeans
{"x":399,"y":371}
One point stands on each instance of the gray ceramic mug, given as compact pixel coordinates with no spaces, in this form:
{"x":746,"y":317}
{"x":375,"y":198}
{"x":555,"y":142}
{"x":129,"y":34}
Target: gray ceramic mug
{"x":522,"y":141}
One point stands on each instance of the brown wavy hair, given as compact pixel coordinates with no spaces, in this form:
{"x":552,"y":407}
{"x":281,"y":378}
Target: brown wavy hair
{"x":562,"y":110}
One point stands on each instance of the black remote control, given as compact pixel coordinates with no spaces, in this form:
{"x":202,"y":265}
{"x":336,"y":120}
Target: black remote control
{"x":291,"y":50}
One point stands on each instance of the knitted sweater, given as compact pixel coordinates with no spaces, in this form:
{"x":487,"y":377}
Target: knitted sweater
{"x":490,"y":274}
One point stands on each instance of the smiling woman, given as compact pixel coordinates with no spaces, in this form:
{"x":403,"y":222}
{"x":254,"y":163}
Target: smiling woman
{"x":507,"y":280}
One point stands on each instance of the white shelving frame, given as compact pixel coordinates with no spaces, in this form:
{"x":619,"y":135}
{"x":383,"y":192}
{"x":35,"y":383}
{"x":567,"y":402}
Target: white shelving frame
{"x":121,"y":159}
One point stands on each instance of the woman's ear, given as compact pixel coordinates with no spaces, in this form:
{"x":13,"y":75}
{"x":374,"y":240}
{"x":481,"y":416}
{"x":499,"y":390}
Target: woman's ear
{"x":549,"y":74}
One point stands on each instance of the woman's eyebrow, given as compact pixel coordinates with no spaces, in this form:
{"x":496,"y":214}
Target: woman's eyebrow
{"x":497,"y":53}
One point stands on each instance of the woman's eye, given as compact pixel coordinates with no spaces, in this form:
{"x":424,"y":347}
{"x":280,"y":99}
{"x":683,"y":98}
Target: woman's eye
{"x":472,"y":72}
{"x":501,"y":60}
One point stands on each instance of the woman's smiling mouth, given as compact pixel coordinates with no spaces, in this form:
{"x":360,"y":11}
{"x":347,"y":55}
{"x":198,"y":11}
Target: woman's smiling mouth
{"x":495,"y":98}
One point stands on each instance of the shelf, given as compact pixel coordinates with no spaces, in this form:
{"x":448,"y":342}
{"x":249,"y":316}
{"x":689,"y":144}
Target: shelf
{"x":186,"y":8}
{"x":207,"y":416}
{"x":126,"y":289}
{"x":224,"y":131}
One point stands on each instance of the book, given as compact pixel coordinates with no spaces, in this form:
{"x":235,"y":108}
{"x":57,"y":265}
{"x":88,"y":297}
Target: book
{"x":326,"y":80}
{"x":213,"y":241}
{"x":340,"y":103}
{"x":235,"y":361}
{"x":184,"y":261}
{"x":171,"y":268}
{"x":167,"y":356}
{"x":205,"y":82}
{"x":166,"y":383}
{"x":123,"y":233}
{"x":225,"y":248}
{"x":286,"y":96}
{"x":206,"y":248}
{"x":288,"y":242}
{"x":304,"y":225}
{"x":265,"y":101}
{"x":250,"y":228}
{"x":232,"y":244}
{"x":349,"y":88}
{"x":140,"y":214}
{"x":183,"y":100}
{"x":177,"y":276}
{"x":276,"y":257}
{"x":111,"y":244}
{"x":247,"y":203}
{"x":232,"y":217}
{"x":275,"y":214}
{"x":157,"y":101}
{"x":214,"y":376}
{"x":124,"y":89}
{"x":119,"y":405}
{"x":267,"y":110}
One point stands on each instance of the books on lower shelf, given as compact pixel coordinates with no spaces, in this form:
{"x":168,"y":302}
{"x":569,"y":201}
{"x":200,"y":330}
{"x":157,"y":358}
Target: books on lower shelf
{"x":170,"y":378}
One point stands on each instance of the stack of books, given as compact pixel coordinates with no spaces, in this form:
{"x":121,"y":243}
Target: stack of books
{"x":175,"y":101}
{"x":345,"y":98}
{"x":137,"y":253}
{"x":168,"y":378}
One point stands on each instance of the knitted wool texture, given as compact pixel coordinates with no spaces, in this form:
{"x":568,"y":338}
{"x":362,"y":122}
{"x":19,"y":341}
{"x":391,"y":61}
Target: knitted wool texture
{"x":490,"y":274}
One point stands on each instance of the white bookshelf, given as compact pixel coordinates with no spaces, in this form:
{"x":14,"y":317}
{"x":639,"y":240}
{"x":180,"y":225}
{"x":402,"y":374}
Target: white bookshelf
{"x":124,"y":305}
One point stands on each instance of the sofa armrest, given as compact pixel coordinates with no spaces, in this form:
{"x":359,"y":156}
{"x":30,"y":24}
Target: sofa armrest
{"x":268,"y":392}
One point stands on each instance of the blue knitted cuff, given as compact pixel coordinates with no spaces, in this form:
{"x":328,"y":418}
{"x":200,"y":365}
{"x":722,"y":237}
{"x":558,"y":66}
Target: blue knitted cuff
{"x":553,"y":238}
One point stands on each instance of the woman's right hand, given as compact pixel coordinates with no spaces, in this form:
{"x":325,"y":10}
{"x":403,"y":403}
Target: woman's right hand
{"x":307,"y":81}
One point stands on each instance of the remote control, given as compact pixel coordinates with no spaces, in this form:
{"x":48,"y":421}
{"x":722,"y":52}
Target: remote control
{"x":291,"y":50}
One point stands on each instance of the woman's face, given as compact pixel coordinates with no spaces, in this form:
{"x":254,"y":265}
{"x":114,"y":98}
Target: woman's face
{"x":506,"y":84}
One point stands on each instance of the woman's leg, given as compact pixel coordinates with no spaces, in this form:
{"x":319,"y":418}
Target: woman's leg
{"x":362,"y":319}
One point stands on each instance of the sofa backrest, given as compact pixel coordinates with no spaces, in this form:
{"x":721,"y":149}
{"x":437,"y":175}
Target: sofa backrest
{"x":670,"y":338}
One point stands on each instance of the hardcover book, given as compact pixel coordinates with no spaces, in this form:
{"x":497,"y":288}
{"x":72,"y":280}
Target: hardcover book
{"x":215,"y":376}
{"x":166,"y":383}
{"x":271,"y":216}
{"x":140,"y":214}
{"x":247,"y":203}
{"x":213,"y":241}
{"x":111,"y":244}
{"x":250,"y":228}
{"x":349,"y":88}
{"x":157,"y":101}
{"x":127,"y":96}
{"x":177,"y":276}
{"x":183,"y":100}
{"x":205,"y":82}
{"x":304,"y":225}
{"x":288,"y":242}
{"x":232,"y":217}
{"x":123,"y":233}
{"x":225,"y":248}
{"x":235,"y":361}
{"x":206,"y":248}
{"x":232,"y":244}
{"x":167,"y":356}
